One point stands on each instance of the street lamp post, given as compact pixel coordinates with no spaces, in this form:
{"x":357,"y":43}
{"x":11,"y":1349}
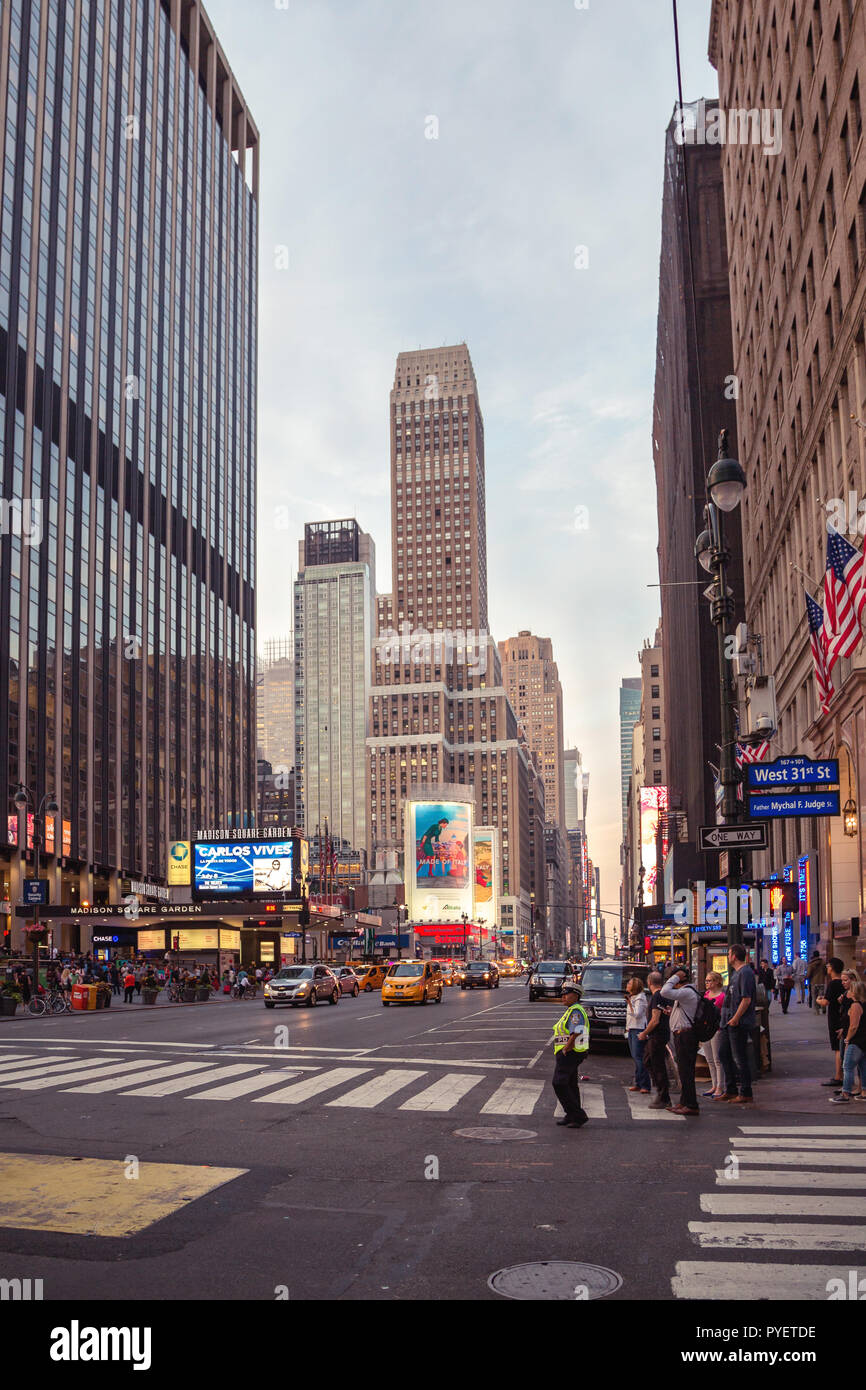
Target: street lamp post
{"x":726,"y":483}
{"x":48,"y":804}
{"x":465,"y":920}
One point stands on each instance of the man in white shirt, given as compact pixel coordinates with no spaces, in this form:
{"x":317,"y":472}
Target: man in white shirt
{"x":684,"y":997}
{"x":799,"y":973}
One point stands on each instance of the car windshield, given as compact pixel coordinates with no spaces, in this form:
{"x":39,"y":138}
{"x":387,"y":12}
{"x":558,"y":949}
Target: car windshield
{"x":294,"y":972}
{"x":607,"y":979}
{"x":478,"y":965}
{"x":407,"y":968}
{"x":552,"y":967}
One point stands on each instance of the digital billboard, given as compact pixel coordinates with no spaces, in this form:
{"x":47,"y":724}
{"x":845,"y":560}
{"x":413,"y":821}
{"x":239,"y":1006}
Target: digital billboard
{"x":653,"y":800}
{"x":438,"y":865}
{"x":245,"y":868}
{"x":485,"y":842}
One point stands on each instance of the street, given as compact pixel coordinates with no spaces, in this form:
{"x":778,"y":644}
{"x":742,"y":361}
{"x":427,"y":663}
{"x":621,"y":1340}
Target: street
{"x":356,"y":1152}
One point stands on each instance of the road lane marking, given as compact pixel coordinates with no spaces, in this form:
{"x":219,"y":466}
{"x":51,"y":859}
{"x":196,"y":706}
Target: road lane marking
{"x":93,"y":1196}
{"x":639,"y":1107}
{"x":513,"y":1097}
{"x":771,"y":1235}
{"x":765,"y":1204}
{"x":744,"y":1282}
{"x":770,"y":1178}
{"x":233,"y":1089}
{"x":364,"y":1097}
{"x":169,"y":1088}
{"x":443,"y":1094}
{"x":305,"y":1090}
{"x":154,"y":1073}
{"x":535,"y":1059}
{"x":802,"y":1157}
{"x":840,"y":1141}
{"x":832,"y":1131}
{"x":71,"y":1070}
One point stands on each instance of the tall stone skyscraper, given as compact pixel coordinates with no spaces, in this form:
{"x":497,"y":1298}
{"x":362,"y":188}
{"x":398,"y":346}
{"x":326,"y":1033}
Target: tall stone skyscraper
{"x":439,"y":712}
{"x":128,"y":309}
{"x":532,"y":684}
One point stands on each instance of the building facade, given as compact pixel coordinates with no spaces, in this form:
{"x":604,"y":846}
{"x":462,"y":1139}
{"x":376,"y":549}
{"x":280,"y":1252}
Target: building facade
{"x":532,"y":684}
{"x":629,"y":714}
{"x":796,"y":234}
{"x":335,"y":613}
{"x":128,"y":251}
{"x":439,"y":712}
{"x":275,"y":703}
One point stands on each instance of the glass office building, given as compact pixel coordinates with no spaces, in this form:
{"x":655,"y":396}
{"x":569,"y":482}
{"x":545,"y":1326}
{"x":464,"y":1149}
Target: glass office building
{"x":128,"y":250}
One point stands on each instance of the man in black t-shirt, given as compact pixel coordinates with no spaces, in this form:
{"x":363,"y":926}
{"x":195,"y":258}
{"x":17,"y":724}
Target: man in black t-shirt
{"x":655,"y":1038}
{"x":831,"y":1000}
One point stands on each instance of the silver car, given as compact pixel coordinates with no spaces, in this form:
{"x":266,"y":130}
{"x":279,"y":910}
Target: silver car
{"x":302,"y":984}
{"x":347,"y":980}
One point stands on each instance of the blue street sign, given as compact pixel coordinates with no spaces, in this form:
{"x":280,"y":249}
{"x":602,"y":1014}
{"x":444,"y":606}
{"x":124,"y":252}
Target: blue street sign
{"x":793,"y":772}
{"x":776,"y":805}
{"x":35,"y":890}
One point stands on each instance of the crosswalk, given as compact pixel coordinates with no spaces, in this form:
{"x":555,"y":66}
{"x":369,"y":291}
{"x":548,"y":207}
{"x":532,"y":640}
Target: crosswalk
{"x":310,"y":1078}
{"x":823,"y":1168}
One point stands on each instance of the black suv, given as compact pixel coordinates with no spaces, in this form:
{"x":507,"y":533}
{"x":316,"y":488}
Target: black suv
{"x":602,"y":995}
{"x":481,"y":974}
{"x":547,"y":979}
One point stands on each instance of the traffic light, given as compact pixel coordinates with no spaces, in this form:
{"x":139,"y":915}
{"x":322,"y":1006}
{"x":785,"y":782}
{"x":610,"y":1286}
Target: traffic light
{"x":7,"y":941}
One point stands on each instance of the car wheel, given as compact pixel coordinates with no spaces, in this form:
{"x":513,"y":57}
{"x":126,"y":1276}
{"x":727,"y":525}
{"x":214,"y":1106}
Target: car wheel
{"x":424,"y":997}
{"x":462,"y":986}
{"x":439,"y":997}
{"x":531,"y":997}
{"x":313,"y":1000}
{"x":496,"y":986}
{"x":368,"y":989}
{"x":385,"y":1003}
{"x":334,"y":998}
{"x":269,"y":1006}
{"x":355,"y":992}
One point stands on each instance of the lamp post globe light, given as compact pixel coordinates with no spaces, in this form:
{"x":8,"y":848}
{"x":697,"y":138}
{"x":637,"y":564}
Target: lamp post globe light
{"x":47,"y":806}
{"x":726,"y":483}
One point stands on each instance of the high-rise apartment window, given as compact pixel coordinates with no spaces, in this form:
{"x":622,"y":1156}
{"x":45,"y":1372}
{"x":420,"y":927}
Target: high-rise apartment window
{"x":654,"y":692}
{"x":654,"y":670}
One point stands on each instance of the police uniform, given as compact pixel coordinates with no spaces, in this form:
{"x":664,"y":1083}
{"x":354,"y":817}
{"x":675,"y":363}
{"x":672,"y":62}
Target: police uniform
{"x":567,"y":1064}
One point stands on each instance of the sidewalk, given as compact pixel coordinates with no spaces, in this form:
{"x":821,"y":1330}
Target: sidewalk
{"x":118,"y":1006}
{"x":802,"y":1059}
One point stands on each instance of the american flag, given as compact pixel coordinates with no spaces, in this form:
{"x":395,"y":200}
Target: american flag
{"x":844,"y":597}
{"x":823,"y":679}
{"x":752,"y":752}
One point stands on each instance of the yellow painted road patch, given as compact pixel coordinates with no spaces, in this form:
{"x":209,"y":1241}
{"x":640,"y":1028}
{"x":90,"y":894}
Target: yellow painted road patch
{"x":95,"y":1196}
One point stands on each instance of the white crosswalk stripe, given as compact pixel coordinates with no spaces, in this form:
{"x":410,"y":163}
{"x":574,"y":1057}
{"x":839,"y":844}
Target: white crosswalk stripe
{"x":814,"y":1215}
{"x":513,"y":1097}
{"x":153,"y":1073}
{"x":443,"y":1094}
{"x":183,"y":1083}
{"x":639,"y":1106}
{"x":380,"y":1088}
{"x":232,"y":1089}
{"x":54,"y":1077}
{"x":313,"y":1086}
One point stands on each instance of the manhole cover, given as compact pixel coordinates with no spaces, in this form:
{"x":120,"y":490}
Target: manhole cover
{"x":496,"y":1136}
{"x":555,"y":1279}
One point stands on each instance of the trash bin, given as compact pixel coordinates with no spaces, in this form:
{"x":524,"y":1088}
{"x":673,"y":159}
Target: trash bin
{"x":84,"y":996}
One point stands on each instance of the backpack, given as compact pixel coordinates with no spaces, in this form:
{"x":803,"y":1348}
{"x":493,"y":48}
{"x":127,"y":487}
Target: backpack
{"x":707,"y":1020}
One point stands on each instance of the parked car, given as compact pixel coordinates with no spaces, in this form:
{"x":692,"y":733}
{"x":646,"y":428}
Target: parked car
{"x":479,"y":974}
{"x":370,"y":977}
{"x":302,"y":984}
{"x":602,"y":994}
{"x":547,"y":979}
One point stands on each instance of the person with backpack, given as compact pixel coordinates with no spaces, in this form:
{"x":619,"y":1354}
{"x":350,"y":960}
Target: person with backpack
{"x":655,"y":1038}
{"x":738,"y":1021}
{"x":686,"y":1001}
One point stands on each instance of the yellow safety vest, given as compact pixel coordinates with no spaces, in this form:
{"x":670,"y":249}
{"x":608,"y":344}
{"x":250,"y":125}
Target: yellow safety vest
{"x":561,"y":1030}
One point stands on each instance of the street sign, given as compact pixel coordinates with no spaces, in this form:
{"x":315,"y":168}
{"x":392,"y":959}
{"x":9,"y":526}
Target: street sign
{"x":776,"y":805}
{"x":35,"y":890}
{"x":751,"y":835}
{"x":793,"y":772}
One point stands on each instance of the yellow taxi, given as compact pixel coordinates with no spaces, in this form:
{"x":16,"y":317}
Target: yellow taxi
{"x":371,"y":976}
{"x":509,"y":967}
{"x":412,"y":982}
{"x":449,"y":972}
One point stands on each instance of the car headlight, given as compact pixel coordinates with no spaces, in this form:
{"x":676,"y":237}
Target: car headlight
{"x":486,"y":975}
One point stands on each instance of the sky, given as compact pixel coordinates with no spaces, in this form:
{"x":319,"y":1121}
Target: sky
{"x":384,"y":230}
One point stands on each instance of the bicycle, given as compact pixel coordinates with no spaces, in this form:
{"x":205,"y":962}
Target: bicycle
{"x":175,"y":993}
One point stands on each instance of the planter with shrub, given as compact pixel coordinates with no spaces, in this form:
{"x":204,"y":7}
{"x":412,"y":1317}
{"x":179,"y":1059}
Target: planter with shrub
{"x":10,"y":998}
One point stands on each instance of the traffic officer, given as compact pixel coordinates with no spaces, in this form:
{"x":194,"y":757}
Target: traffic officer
{"x":570,"y":1042}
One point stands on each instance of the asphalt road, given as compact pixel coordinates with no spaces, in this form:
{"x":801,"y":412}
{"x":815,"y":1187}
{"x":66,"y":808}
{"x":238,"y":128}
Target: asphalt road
{"x":244,"y":1153}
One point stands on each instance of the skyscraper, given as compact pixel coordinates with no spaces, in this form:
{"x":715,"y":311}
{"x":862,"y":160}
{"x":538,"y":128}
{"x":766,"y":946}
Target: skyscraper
{"x":128,"y":248}
{"x":335,"y":614}
{"x":439,"y":712}
{"x":275,"y":703}
{"x":531,"y":679}
{"x":629,"y":714}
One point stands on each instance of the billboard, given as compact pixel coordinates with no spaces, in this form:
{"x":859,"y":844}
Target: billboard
{"x":485,"y":841}
{"x":653,"y":800}
{"x":438,"y":860}
{"x":178,"y":863}
{"x":244,"y":868}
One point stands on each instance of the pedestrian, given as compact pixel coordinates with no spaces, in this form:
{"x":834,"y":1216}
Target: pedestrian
{"x":570,"y":1042}
{"x":767,"y":977}
{"x":635,"y":1023}
{"x":830,"y":1000}
{"x":855,"y":1045}
{"x":785,"y":982}
{"x":798,"y":970}
{"x":715,"y":992}
{"x":738,"y":1020}
{"x":816,"y":974}
{"x":849,"y":979}
{"x":684,"y":997}
{"x":115,"y":979}
{"x":655,"y":1037}
{"x":138,"y":978}
{"x":128,"y":985}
